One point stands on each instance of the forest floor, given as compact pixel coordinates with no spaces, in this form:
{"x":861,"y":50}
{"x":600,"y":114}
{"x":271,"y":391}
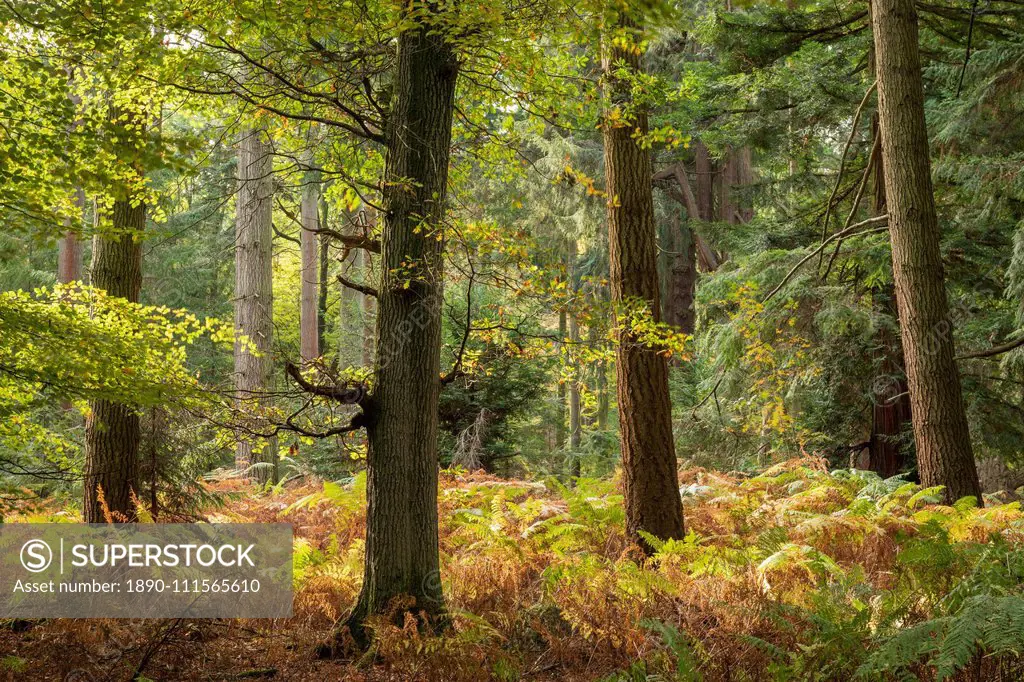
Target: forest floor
{"x":797,"y":573}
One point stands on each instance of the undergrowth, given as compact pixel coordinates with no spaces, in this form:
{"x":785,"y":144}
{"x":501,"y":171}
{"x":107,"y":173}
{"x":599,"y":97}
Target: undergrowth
{"x":796,"y":574}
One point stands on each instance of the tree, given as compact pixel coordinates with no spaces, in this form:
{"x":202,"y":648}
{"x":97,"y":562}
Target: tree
{"x":69,"y":249}
{"x":112,"y":431}
{"x":254,"y":294}
{"x":401,"y":535}
{"x":309,"y":317}
{"x":650,"y":483}
{"x":941,"y":433}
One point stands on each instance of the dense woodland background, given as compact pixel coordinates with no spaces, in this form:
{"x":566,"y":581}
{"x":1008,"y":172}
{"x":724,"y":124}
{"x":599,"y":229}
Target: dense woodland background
{"x":600,"y":340}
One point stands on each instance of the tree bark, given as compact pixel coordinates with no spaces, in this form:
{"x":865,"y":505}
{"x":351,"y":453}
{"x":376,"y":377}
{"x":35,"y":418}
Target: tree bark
{"x":563,"y":395}
{"x":402,"y":461}
{"x":941,"y":432}
{"x":112,"y":430}
{"x":650,"y":479}
{"x":575,"y":425}
{"x":679,"y":311}
{"x":254,"y":294}
{"x":309,"y":337}
{"x":367,"y":304}
{"x":69,"y":248}
{"x":703,"y":168}
{"x":891,"y":401}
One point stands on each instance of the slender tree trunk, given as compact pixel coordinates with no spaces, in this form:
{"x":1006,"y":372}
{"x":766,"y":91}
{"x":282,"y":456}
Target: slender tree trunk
{"x":309,"y":337}
{"x":650,"y":480}
{"x":941,"y":432}
{"x":352,"y":327}
{"x":322,"y":292}
{"x":69,"y":248}
{"x":254,"y":294}
{"x":575,"y":426}
{"x":368,"y":305}
{"x":402,"y":462}
{"x":563,"y":395}
{"x":112,"y":430}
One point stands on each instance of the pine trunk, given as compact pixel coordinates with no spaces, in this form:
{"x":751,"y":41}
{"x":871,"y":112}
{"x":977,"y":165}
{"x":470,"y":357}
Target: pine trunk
{"x":575,"y":425}
{"x":69,"y":248}
{"x":254,"y":295}
{"x":309,"y":336}
{"x":682,"y":266}
{"x":112,"y":430}
{"x":941,"y":432}
{"x":650,"y":480}
{"x":563,"y":395}
{"x":402,"y":462}
{"x":891,"y":402}
{"x":704,"y":182}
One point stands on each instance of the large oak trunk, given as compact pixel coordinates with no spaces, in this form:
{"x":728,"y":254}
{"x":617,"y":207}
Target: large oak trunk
{"x":112,"y":430}
{"x":645,"y":414}
{"x":402,"y":563}
{"x":254,"y":295}
{"x":941,"y":433}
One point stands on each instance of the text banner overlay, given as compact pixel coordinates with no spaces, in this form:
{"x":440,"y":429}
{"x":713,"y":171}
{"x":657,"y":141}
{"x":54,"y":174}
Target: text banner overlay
{"x":146,"y":570}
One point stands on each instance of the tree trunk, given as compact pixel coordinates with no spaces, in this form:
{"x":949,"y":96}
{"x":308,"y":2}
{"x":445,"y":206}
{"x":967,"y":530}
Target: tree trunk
{"x":254,"y":294}
{"x":563,"y":396}
{"x":309,"y":337}
{"x":703,"y":168}
{"x":891,"y":402}
{"x":368,"y":305}
{"x":112,"y":430}
{"x":69,"y":248}
{"x":650,"y":479}
{"x":575,"y":427}
{"x":322,"y":291}
{"x":402,"y":461}
{"x":941,"y":432}
{"x":682,"y":287}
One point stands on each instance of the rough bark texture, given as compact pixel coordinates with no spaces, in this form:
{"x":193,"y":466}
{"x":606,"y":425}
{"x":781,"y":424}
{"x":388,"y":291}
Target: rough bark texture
{"x":996,"y":476}
{"x":112,"y":430}
{"x":890,"y":411}
{"x":682,"y":265}
{"x":704,"y":184}
{"x":941,"y":432}
{"x":650,"y":480}
{"x":402,"y":462}
{"x":254,"y":294}
{"x":309,"y":337}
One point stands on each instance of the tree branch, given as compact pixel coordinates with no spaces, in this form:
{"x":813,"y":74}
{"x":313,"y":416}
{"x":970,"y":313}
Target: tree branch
{"x":994,"y":350}
{"x":356,"y":286}
{"x":343,"y":394}
{"x":874,"y":223}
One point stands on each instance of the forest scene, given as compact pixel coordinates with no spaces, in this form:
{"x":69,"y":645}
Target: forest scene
{"x":619,"y":340}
